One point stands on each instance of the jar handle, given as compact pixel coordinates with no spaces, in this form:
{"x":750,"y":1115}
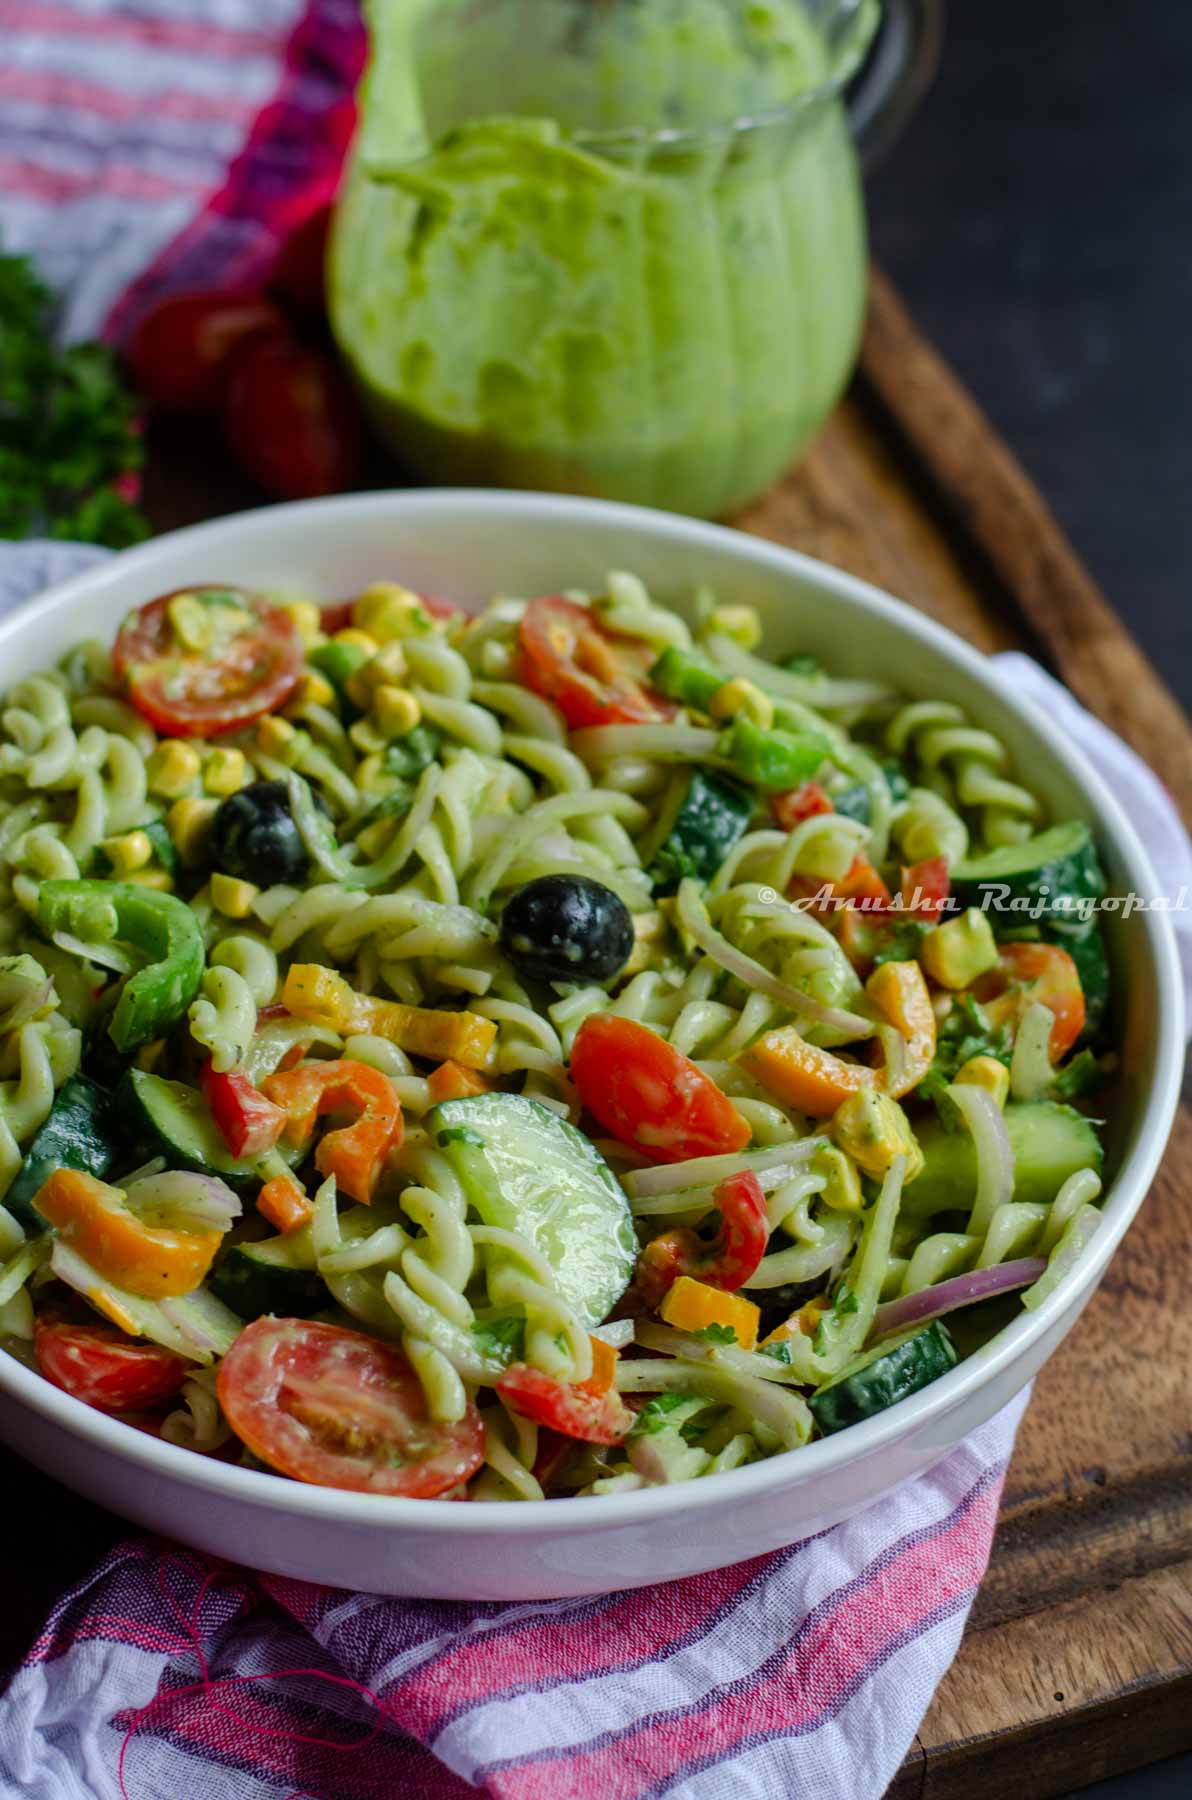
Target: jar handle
{"x":896,"y":74}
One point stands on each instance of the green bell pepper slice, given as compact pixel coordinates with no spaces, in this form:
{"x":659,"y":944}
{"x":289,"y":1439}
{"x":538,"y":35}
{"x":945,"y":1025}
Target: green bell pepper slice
{"x":685,"y":678}
{"x":160,"y":925}
{"x":773,"y":760}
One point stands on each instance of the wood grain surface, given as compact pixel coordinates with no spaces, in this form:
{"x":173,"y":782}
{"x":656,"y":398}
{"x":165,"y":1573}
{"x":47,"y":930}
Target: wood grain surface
{"x":1077,"y":1662}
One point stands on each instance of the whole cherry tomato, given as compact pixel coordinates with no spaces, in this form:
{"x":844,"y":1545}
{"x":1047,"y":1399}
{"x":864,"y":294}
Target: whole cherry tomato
{"x":180,"y":345}
{"x":291,"y":419}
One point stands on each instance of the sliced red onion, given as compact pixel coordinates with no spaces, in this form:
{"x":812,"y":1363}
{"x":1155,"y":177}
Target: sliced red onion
{"x":995,"y":1155}
{"x":184,"y":1200}
{"x":695,"y":921}
{"x":705,"y":1171}
{"x":947,"y":1296}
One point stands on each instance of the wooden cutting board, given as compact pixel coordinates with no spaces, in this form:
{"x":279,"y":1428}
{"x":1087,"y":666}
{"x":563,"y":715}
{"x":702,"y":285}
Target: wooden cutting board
{"x":1077,"y":1662}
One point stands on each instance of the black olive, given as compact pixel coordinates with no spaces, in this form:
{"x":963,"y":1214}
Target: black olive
{"x":567,"y":928}
{"x":254,"y":835}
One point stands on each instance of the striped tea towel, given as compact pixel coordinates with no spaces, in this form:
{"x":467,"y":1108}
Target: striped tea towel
{"x":800,"y":1674}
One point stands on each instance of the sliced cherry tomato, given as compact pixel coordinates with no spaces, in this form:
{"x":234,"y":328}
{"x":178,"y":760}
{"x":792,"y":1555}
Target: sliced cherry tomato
{"x":337,"y":616}
{"x":299,"y":274}
{"x":252,"y":666}
{"x":331,"y":1406}
{"x":355,"y":1154}
{"x":928,"y":883}
{"x":649,"y":1095}
{"x":570,"y":1410}
{"x":180,"y":345}
{"x":592,"y":677}
{"x":292,"y":419}
{"x":1030,"y":973}
{"x":100,"y":1365}
{"x":247,"y":1122}
{"x":799,"y":803}
{"x":726,"y":1262}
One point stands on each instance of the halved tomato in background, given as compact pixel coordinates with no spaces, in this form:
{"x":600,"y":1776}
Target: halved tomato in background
{"x":106,"y":1369}
{"x":1035,"y":973}
{"x":333,"y":1407}
{"x":592,"y":677}
{"x":250,"y":667}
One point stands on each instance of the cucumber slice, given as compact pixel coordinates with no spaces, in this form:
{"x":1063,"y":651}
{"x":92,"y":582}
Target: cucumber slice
{"x":273,"y":1276}
{"x":1056,"y":865}
{"x":175,"y":1118}
{"x":708,"y":817}
{"x":883,"y":1376}
{"x":1050,"y":1142}
{"x":526,"y":1169}
{"x":77,"y":1134}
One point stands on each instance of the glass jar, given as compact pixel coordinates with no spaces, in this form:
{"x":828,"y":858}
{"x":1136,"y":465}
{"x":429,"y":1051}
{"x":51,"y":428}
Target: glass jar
{"x":611,"y":247}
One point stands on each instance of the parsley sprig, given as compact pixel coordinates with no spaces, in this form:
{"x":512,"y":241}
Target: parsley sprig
{"x":68,"y":428}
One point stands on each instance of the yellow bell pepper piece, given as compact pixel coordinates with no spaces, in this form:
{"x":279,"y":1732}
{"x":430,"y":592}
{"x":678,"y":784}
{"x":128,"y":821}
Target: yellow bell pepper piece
{"x":692,"y":1306}
{"x":144,"y":1259}
{"x":325,"y":998}
{"x":808,"y":1078}
{"x":900,"y":993}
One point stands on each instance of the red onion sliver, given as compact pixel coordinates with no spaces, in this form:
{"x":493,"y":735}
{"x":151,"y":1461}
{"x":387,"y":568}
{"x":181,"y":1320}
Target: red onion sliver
{"x":959,"y":1290}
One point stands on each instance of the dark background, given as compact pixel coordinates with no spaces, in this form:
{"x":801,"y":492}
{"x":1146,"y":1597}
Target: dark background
{"x":1037,"y":216}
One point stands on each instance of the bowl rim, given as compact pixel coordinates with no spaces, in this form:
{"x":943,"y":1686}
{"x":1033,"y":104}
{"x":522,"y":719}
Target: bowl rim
{"x":862,"y":1441}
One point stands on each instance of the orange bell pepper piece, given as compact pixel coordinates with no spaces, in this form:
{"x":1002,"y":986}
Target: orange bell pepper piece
{"x":284,"y":1204}
{"x":451,"y":1081}
{"x":899,"y":991}
{"x":93,"y":1219}
{"x":808,"y":1078}
{"x":355,"y":1154}
{"x":604,"y":1369}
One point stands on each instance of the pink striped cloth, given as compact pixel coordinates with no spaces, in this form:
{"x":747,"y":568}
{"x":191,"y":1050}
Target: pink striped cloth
{"x":803,"y":1673}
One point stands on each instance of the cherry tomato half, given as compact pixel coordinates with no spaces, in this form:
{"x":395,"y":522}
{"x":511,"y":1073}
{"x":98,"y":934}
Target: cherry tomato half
{"x":180,"y":344}
{"x":292,"y":419}
{"x":247,"y":672}
{"x":299,"y":274}
{"x":563,"y":1407}
{"x":106,"y":1369}
{"x":342,"y":1410}
{"x":592,"y":677}
{"x":726,"y":1262}
{"x":1030,"y":973}
{"x":650,"y":1095}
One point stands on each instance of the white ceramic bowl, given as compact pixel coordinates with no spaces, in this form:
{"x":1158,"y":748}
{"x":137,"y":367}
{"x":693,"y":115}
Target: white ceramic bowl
{"x":469,"y":545}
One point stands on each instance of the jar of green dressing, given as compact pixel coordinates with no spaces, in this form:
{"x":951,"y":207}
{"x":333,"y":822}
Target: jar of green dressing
{"x":610,"y":247}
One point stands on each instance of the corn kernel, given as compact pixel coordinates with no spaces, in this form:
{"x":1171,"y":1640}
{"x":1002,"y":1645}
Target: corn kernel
{"x":741,"y":623}
{"x":226,"y":771}
{"x":396,"y":711}
{"x":131,"y":851}
{"x":158,"y":879}
{"x":988,"y":1073}
{"x":275,"y":736}
{"x":366,"y":737}
{"x":387,"y":610}
{"x":189,"y":824}
{"x":740,"y":698}
{"x":363,"y":640}
{"x":231,"y":896}
{"x":173,"y":768}
{"x":313,"y":690}
{"x":306,"y":619}
{"x":387,"y":667}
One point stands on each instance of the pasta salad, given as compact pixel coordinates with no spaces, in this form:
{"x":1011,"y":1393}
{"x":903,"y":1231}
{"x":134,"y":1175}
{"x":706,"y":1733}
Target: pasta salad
{"x":550,"y":1052}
